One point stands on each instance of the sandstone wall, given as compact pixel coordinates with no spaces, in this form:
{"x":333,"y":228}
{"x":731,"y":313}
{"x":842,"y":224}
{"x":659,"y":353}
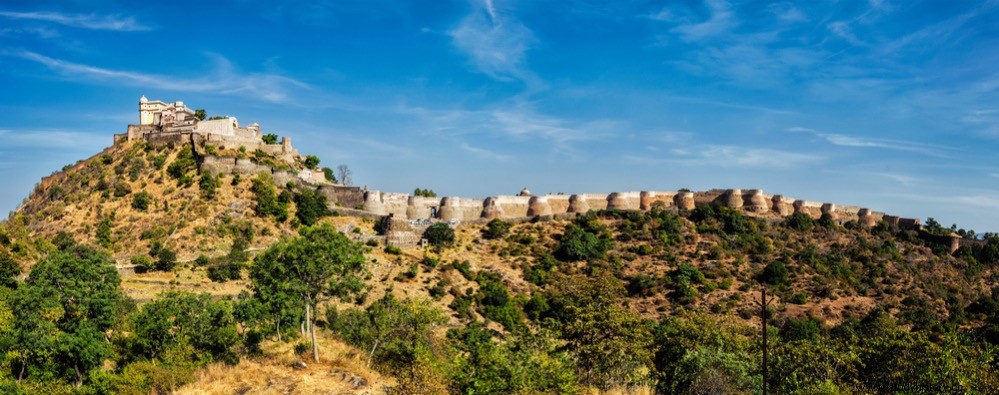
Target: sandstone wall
{"x":559,"y":204}
{"x":624,"y":201}
{"x":421,"y":211}
{"x":512,"y":206}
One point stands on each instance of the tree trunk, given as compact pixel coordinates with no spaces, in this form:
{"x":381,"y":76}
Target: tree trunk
{"x":312,"y":330}
{"x":308,"y":319}
{"x":371,"y":355}
{"x":20,"y":375}
{"x":277,"y":327}
{"x":79,"y":376}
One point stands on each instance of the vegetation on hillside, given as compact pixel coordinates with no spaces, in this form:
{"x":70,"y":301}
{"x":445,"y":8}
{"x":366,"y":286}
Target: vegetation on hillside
{"x":660,"y":301}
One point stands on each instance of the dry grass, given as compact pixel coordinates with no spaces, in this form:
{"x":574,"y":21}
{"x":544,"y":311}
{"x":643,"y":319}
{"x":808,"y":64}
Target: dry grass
{"x":339,"y":369}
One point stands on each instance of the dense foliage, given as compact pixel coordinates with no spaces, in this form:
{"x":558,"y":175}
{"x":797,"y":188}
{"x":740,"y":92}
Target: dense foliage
{"x":613,"y":301}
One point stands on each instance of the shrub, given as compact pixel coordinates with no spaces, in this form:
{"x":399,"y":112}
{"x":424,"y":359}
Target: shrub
{"x":141,"y":201}
{"x":393,"y":250}
{"x":439,"y":235}
{"x":310,"y":207}
{"x":329,"y":175}
{"x":775,"y":273}
{"x":141,"y":262}
{"x":266,"y":197}
{"x":578,"y":244}
{"x":430,"y":262}
{"x":208,"y":185}
{"x":225,"y":271}
{"x":826,"y":221}
{"x":496,"y":229}
{"x":166,"y":259}
{"x":103,"y":234}
{"x":121,"y":188}
{"x":183,"y":164}
{"x":424,"y":193}
{"x":201,"y":261}
{"x":311,"y":161}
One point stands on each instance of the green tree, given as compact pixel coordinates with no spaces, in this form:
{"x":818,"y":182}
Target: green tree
{"x":63,"y":311}
{"x":439,"y":235}
{"x":270,"y":138}
{"x":329,"y":175}
{"x":775,"y":273}
{"x":179,"y":319}
{"x":200,"y":114}
{"x":270,"y":281}
{"x":577,"y":244}
{"x":310,"y":206}
{"x":393,"y":332}
{"x":496,"y":229}
{"x":311,"y":161}
{"x":700,"y":354}
{"x":9,"y":269}
{"x":103,"y":232}
{"x":141,"y":201}
{"x":610,"y":344}
{"x":268,"y":204}
{"x":166,"y":259}
{"x":321,"y":263}
{"x":208,"y":184}
{"x":182,"y":164}
{"x":525,"y":363}
{"x":424,"y":193}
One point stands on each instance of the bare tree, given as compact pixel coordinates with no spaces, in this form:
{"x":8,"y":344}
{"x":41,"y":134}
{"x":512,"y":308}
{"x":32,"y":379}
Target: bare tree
{"x":343,"y":174}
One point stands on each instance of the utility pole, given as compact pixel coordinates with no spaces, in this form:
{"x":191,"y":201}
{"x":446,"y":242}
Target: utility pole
{"x":764,"y":303}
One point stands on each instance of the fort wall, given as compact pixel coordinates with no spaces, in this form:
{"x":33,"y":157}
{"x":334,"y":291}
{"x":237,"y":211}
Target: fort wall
{"x":753,"y":202}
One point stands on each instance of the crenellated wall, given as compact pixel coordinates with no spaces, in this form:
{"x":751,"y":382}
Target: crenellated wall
{"x":753,"y":202}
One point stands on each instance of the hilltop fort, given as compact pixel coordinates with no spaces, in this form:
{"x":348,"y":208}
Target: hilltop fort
{"x":407,"y":215}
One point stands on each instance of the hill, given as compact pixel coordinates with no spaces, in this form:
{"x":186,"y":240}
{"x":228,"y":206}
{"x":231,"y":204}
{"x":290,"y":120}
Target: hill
{"x":662,"y":299}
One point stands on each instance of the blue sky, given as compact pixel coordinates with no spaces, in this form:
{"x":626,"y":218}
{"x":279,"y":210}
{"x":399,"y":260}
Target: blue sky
{"x":884,"y":104}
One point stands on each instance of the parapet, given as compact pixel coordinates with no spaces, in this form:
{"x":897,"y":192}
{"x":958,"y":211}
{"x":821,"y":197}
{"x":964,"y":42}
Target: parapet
{"x":685,"y":201}
{"x":755,"y":201}
{"x":538,"y":207}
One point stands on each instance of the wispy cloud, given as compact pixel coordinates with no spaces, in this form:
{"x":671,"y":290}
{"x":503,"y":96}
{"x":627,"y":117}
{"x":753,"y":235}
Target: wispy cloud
{"x":900,"y":178}
{"x":517,"y":123}
{"x":482,"y":152}
{"x":225,"y":79}
{"x":728,"y":156}
{"x":787,"y":12}
{"x":866,"y":142}
{"x":720,"y":21}
{"x":88,"y":21}
{"x":380,"y":146}
{"x":50,"y":139}
{"x":496,"y":44}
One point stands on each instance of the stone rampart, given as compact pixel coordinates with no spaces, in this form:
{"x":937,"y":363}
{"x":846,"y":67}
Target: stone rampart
{"x":624,"y":201}
{"x":753,"y":202}
{"x":559,"y":204}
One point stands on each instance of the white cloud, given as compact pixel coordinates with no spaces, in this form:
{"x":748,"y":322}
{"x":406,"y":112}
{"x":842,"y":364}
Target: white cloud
{"x":720,"y":21}
{"x":787,"y":12}
{"x":496,"y":44}
{"x":728,"y":156}
{"x":482,"y":152}
{"x":865,"y":142}
{"x":979,"y":201}
{"x":51,"y":139}
{"x":225,"y":79}
{"x":900,"y":178}
{"x":93,"y":22}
